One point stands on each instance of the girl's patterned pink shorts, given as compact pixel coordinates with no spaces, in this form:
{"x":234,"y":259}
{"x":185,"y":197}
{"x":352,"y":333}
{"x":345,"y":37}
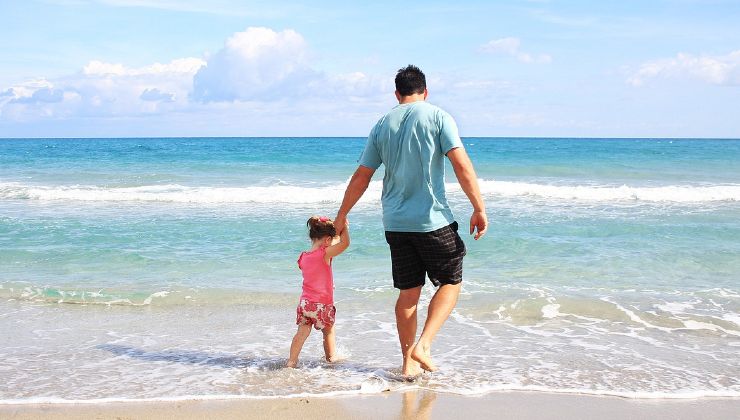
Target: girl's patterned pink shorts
{"x":317,"y":314}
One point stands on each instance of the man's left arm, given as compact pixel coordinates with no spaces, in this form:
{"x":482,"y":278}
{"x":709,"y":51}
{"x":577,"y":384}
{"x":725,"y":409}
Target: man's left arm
{"x":468,"y":180}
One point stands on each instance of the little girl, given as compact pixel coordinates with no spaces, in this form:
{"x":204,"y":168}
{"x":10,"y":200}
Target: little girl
{"x":316,"y":305}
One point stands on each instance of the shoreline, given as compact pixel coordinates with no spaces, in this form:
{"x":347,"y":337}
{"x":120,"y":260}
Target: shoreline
{"x":409,"y":404}
{"x":635,"y":396}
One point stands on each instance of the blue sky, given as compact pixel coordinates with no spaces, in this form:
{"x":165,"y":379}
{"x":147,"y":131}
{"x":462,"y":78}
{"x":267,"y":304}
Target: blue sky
{"x":110,"y":68}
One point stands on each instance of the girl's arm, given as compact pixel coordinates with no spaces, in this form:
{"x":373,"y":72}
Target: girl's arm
{"x":339,"y":247}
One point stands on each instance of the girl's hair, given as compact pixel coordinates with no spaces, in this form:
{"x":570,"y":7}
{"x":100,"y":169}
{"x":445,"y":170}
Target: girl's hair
{"x":320,"y":227}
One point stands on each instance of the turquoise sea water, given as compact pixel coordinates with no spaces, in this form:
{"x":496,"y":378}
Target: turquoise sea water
{"x":165,"y":268}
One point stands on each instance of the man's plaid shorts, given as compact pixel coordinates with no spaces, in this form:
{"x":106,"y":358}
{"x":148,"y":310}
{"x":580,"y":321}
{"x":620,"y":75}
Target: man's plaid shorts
{"x":438,"y":254}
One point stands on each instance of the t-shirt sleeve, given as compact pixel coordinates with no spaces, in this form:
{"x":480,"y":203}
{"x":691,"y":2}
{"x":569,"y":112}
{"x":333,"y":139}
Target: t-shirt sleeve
{"x":448,"y":135}
{"x":370,"y":157}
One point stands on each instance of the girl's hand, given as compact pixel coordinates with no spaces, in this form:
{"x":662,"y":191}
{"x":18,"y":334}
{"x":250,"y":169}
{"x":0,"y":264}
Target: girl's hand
{"x":338,"y":247}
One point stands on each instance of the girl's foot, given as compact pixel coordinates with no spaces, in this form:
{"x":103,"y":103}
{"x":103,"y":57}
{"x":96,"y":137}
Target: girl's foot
{"x":335,"y":359}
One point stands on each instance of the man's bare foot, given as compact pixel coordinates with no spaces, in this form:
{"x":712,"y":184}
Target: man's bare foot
{"x":291,"y":364}
{"x":422,"y":355}
{"x":411,"y":374}
{"x":411,"y":367}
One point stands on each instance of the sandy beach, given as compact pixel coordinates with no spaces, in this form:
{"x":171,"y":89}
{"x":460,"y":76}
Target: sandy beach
{"x":414,"y":404}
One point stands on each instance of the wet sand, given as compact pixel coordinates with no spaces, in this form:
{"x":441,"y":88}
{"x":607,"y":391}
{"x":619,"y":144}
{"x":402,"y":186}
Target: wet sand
{"x":415,"y":404}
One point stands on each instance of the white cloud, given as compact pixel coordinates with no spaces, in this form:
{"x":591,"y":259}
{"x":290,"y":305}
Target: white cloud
{"x":511,"y":46}
{"x":155,"y":95}
{"x":257,"y":64}
{"x":103,"y":89}
{"x":42,"y":95}
{"x":182,"y":65}
{"x":717,"y":70}
{"x":25,"y":90}
{"x":265,"y":73}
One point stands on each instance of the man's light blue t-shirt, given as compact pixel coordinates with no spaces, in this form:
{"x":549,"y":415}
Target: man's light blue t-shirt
{"x":412,"y":141}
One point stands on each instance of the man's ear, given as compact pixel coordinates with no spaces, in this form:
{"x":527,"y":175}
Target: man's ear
{"x":398,"y":96}
{"x":426,"y":93}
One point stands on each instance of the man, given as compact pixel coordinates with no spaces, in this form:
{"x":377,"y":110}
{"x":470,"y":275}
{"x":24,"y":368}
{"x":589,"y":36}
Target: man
{"x":411,"y":141}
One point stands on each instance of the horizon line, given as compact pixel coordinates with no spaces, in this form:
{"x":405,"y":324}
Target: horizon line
{"x":358,"y":137}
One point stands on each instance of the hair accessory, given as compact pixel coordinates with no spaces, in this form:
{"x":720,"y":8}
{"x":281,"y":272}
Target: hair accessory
{"x":323,"y":219}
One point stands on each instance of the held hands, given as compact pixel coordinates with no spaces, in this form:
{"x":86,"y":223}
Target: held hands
{"x":479,"y":221}
{"x":341,"y":224}
{"x":341,"y":241}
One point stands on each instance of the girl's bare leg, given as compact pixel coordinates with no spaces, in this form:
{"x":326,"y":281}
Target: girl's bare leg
{"x":330,"y":351}
{"x":295,"y":347}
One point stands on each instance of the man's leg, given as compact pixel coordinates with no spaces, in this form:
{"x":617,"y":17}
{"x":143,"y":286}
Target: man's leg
{"x":406,"y":325}
{"x":440,"y":307}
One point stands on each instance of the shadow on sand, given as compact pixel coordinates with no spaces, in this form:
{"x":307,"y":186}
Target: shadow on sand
{"x":224,"y":360}
{"x":194,"y":357}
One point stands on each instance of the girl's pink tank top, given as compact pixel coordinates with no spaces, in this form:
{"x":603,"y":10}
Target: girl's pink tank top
{"x":318,"y":280}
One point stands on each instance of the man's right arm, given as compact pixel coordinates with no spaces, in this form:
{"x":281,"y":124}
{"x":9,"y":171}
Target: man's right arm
{"x":468,"y":180}
{"x":356,"y":188}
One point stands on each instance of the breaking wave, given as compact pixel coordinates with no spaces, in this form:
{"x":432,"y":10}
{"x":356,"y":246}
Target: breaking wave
{"x":333,"y":193}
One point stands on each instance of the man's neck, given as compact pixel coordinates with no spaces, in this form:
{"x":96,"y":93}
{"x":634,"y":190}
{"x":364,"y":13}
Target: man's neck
{"x":416,"y":97}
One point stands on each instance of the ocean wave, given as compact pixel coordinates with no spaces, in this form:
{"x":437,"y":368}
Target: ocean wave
{"x":333,"y":193}
{"x":668,"y":193}
{"x":174,"y":193}
{"x":165,"y":297}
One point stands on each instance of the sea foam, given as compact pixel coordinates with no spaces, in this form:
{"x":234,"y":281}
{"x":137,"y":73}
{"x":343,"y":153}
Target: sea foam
{"x":333,"y":193}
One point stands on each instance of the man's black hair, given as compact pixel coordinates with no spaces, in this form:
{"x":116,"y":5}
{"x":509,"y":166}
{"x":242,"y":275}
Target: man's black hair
{"x":410,"y":80}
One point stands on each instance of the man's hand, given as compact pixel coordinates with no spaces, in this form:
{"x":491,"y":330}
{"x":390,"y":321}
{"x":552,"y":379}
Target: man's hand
{"x":469,"y":182}
{"x":340,"y":223}
{"x":479,"y":221}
